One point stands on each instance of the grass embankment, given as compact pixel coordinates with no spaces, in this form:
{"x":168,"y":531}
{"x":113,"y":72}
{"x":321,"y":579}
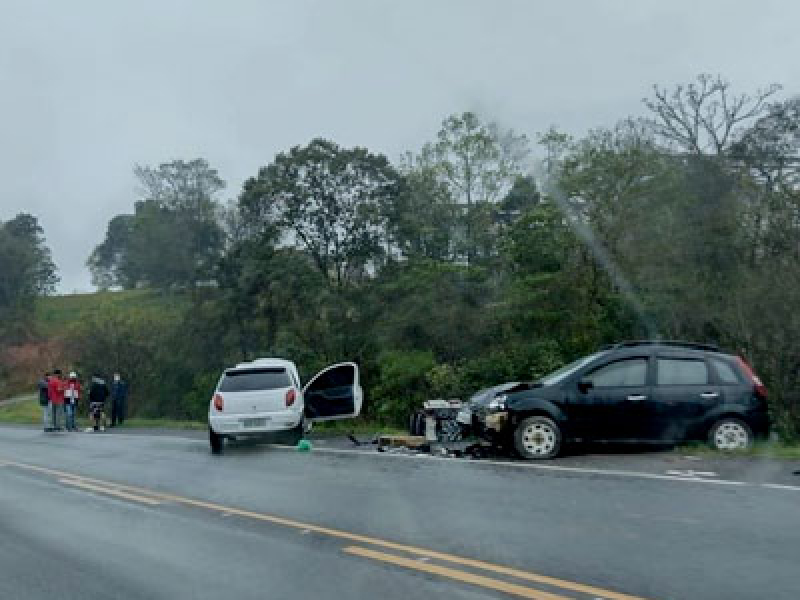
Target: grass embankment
{"x":55,"y":313}
{"x":25,"y":410}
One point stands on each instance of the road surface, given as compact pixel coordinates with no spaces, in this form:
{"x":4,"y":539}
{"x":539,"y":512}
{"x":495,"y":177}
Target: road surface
{"x":143,"y":516}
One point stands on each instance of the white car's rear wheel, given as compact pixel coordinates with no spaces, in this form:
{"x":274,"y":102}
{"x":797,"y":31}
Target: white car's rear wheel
{"x":216,"y":441}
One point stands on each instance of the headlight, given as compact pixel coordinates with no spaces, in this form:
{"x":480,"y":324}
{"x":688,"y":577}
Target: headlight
{"x":498,"y":402}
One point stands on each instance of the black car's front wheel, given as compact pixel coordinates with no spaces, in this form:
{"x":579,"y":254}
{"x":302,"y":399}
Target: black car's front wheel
{"x":730,"y":433}
{"x":537,"y":438}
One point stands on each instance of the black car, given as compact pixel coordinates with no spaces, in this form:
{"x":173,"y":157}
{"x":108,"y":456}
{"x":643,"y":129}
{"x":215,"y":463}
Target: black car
{"x":642,"y":391}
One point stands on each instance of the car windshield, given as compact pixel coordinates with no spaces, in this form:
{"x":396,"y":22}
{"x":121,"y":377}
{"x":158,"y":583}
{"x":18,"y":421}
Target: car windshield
{"x":558,"y":376}
{"x":249,"y":380}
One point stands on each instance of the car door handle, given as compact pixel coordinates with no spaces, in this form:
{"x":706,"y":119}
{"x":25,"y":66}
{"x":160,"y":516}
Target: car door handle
{"x":709,"y":395}
{"x":637,"y":397}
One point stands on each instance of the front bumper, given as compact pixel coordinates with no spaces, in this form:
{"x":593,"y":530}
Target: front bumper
{"x":490,"y":425}
{"x":254,"y":423}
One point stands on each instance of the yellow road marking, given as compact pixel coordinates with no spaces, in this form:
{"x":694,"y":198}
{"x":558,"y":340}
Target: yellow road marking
{"x":109,"y":491}
{"x":463,"y":576}
{"x":353,"y":537}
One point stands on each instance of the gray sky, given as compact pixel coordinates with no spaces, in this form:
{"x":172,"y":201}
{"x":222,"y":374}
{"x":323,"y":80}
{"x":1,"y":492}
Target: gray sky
{"x":88,"y":89}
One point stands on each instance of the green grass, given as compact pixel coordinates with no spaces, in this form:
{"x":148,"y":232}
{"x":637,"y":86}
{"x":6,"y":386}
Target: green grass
{"x":72,"y":309}
{"x":358,"y":426}
{"x":25,"y":413}
{"x":28,"y":412}
{"x":759,"y":449}
{"x":165,"y":424}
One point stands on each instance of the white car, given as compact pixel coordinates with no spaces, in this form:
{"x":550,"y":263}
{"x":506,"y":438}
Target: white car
{"x":264,"y":397}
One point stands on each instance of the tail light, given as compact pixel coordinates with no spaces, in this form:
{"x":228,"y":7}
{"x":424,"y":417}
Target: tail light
{"x":760,"y":388}
{"x":290,"y":397}
{"x":218,"y":402}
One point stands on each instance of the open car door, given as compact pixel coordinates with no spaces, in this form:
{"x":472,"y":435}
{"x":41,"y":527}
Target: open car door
{"x":334,"y":393}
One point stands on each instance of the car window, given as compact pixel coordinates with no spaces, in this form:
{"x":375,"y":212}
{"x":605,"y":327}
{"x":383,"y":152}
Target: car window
{"x":250,"y":380}
{"x":621,"y":373}
{"x":681,"y":371}
{"x":341,"y":376}
{"x":725,"y":372}
{"x":567,"y":370}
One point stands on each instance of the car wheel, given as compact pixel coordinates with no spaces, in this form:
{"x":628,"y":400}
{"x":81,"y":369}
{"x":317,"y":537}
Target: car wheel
{"x":216,"y":441}
{"x":730,"y":433}
{"x":537,"y":438}
{"x":294,"y":436}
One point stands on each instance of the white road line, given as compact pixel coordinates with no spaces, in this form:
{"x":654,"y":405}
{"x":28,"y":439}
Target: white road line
{"x":517,"y":465}
{"x":691,"y":473}
{"x":779,"y":486}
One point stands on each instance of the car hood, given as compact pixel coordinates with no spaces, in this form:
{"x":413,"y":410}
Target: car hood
{"x":482,"y":398}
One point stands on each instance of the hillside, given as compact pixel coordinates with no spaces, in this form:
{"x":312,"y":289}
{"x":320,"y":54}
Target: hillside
{"x":58,"y":318}
{"x":66,"y":311}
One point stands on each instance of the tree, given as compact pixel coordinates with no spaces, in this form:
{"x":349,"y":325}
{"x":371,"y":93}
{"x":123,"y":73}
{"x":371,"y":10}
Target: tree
{"x":478,"y":162}
{"x":331,"y":202}
{"x":705,"y":117}
{"x":174,"y":236}
{"x":26,"y":271}
{"x":422,"y":220}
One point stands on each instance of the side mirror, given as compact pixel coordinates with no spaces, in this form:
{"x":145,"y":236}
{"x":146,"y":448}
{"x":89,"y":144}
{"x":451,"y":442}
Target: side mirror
{"x":584,"y":385}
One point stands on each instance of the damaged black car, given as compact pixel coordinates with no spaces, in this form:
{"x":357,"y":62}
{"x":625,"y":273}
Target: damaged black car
{"x":639,"y":391}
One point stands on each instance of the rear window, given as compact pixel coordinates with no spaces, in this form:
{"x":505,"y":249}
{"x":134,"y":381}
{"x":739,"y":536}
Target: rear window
{"x":250,"y":380}
{"x":725,"y":372}
{"x":680,"y":371}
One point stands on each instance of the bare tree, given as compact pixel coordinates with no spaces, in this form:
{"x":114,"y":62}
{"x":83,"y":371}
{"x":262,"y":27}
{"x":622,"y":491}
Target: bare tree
{"x":704,"y":117}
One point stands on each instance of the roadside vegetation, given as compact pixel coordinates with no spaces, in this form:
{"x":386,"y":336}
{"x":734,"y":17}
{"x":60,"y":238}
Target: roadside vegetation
{"x":482,"y":256}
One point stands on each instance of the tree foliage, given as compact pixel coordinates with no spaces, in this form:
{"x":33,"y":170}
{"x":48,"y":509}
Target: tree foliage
{"x":26,"y":271}
{"x":457,"y":269}
{"x":173,"y":238}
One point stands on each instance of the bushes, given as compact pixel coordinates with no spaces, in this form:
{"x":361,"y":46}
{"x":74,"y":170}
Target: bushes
{"x":402,"y":385}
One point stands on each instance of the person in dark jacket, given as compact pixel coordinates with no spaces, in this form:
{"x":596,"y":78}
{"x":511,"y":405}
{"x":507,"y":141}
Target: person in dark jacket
{"x":119,"y":400}
{"x":44,"y":401}
{"x":98,"y":392}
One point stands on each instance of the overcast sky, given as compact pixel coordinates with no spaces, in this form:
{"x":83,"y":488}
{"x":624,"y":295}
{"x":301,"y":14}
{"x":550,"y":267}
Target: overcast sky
{"x":88,"y":89}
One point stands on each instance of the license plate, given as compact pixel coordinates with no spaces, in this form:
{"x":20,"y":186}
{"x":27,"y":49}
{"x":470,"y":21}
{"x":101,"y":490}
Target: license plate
{"x":250,"y":423}
{"x":464,"y":416}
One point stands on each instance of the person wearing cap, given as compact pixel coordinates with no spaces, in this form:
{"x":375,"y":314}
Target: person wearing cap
{"x":72,"y":394}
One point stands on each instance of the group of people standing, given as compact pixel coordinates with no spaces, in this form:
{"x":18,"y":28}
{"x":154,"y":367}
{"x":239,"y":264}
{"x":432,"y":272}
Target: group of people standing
{"x":60,"y":397}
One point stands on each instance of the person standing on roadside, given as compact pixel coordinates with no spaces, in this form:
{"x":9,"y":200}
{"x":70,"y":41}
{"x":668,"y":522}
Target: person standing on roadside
{"x":56,"y":387}
{"x":119,"y":399}
{"x":44,"y":402}
{"x":72,"y":395}
{"x":98,"y":392}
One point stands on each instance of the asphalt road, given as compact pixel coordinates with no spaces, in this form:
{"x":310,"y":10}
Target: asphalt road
{"x":139,"y":516}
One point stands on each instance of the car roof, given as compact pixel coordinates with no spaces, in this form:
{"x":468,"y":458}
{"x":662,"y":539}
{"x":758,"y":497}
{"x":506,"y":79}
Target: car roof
{"x":669,"y":348}
{"x":266,"y":363}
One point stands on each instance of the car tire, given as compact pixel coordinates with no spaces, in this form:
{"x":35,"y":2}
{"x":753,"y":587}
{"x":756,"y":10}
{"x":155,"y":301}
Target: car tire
{"x":537,"y":438}
{"x":293,"y":436}
{"x":216,"y":441}
{"x":729,"y":434}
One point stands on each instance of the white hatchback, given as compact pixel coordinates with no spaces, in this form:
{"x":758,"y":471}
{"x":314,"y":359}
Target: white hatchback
{"x":264,"y":397}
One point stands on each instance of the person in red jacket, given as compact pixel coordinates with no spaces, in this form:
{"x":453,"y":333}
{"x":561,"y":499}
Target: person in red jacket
{"x":55,"y":391}
{"x":72,"y":393}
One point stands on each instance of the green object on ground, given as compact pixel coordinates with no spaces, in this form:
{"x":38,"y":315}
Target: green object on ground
{"x":304,"y":446}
